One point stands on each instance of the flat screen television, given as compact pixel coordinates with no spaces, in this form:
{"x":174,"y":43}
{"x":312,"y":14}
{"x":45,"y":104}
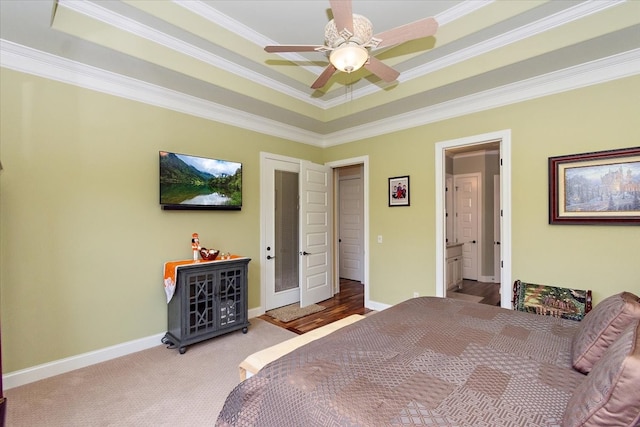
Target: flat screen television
{"x":191,"y":182}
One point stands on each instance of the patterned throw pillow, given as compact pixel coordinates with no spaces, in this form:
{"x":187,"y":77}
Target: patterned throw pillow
{"x":555,"y":301}
{"x":601,"y":326}
{"x":610,"y":395}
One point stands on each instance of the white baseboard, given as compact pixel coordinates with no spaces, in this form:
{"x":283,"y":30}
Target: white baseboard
{"x":57,"y":367}
{"x":377,"y":306}
{"x":255,"y":312}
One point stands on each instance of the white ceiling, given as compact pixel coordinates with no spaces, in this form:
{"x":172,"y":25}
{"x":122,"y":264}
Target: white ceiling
{"x":209,"y":56}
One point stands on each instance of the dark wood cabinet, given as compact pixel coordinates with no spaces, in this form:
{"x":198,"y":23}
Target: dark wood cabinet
{"x":210,"y":299}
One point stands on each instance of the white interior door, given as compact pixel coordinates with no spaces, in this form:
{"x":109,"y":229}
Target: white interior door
{"x":496,"y":229}
{"x":280,"y":180}
{"x":316,"y":219}
{"x":449,"y":211}
{"x":351,"y":229}
{"x":467,"y":222}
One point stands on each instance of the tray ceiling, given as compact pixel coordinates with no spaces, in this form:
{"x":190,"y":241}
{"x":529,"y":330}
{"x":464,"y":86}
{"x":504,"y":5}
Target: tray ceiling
{"x":212,"y":52}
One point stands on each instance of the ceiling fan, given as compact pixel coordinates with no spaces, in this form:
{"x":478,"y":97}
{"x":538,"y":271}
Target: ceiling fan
{"x":349,"y":39}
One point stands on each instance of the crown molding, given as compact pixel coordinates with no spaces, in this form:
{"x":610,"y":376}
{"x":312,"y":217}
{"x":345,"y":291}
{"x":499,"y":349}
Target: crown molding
{"x":94,"y":11}
{"x":211,"y":14}
{"x":592,"y":73}
{"x":27,"y":60}
{"x":123,"y":23}
{"x":526,"y":31}
{"x":41,"y":64}
{"x":475,"y":153}
{"x":460,"y":10}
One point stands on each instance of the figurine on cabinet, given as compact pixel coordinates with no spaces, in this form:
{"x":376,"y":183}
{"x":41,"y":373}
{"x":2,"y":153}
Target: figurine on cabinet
{"x":195,"y":246}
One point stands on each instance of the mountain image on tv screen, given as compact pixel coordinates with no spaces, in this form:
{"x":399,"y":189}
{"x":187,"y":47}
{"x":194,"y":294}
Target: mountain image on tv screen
{"x":199,"y":182}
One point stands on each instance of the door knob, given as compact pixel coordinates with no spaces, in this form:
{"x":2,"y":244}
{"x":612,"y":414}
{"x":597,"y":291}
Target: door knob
{"x":270,"y":257}
{"x":305,"y":253}
{"x":473,"y":241}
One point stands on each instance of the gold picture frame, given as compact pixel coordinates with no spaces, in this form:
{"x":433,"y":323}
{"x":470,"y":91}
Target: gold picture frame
{"x":595,"y":188}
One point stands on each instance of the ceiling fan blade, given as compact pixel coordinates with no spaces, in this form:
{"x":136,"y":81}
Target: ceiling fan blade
{"x":324,"y":77}
{"x":423,"y":28}
{"x":381,"y":69}
{"x":292,"y":48}
{"x":342,"y":14}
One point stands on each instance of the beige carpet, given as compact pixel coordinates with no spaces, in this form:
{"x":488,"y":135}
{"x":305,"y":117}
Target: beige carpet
{"x":154,"y":387}
{"x":464,"y":297}
{"x":292,"y":312}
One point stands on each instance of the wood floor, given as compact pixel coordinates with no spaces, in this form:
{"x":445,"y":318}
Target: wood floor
{"x":350,"y":301}
{"x":489,"y":291}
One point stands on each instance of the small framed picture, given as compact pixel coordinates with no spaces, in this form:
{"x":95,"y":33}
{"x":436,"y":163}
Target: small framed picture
{"x":399,"y":191}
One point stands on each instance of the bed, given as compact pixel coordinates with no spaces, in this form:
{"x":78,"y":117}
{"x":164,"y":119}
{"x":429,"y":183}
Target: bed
{"x":444,"y":362}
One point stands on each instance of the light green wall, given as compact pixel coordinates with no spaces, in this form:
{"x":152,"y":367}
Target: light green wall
{"x":601,"y":258}
{"x":82,"y":239}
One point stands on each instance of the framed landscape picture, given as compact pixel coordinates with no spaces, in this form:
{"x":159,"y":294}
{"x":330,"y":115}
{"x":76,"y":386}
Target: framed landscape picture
{"x":595,"y":188}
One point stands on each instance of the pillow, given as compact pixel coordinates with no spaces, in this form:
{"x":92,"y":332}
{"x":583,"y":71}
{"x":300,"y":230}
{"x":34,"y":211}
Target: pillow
{"x":600,"y":327}
{"x":553,"y":301}
{"x":609,"y":395}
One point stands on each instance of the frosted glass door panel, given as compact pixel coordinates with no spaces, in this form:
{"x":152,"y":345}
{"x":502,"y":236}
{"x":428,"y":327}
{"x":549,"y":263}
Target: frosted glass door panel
{"x":286,"y":230}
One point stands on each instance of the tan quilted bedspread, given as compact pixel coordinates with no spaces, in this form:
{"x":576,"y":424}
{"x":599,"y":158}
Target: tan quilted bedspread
{"x":427,"y":362}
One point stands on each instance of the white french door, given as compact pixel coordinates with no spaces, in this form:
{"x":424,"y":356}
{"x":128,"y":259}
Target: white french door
{"x":316,"y":218}
{"x":296,"y":206}
{"x":280,"y":204}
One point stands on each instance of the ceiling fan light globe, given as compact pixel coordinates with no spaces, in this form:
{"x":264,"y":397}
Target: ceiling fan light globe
{"x":349,"y":57}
